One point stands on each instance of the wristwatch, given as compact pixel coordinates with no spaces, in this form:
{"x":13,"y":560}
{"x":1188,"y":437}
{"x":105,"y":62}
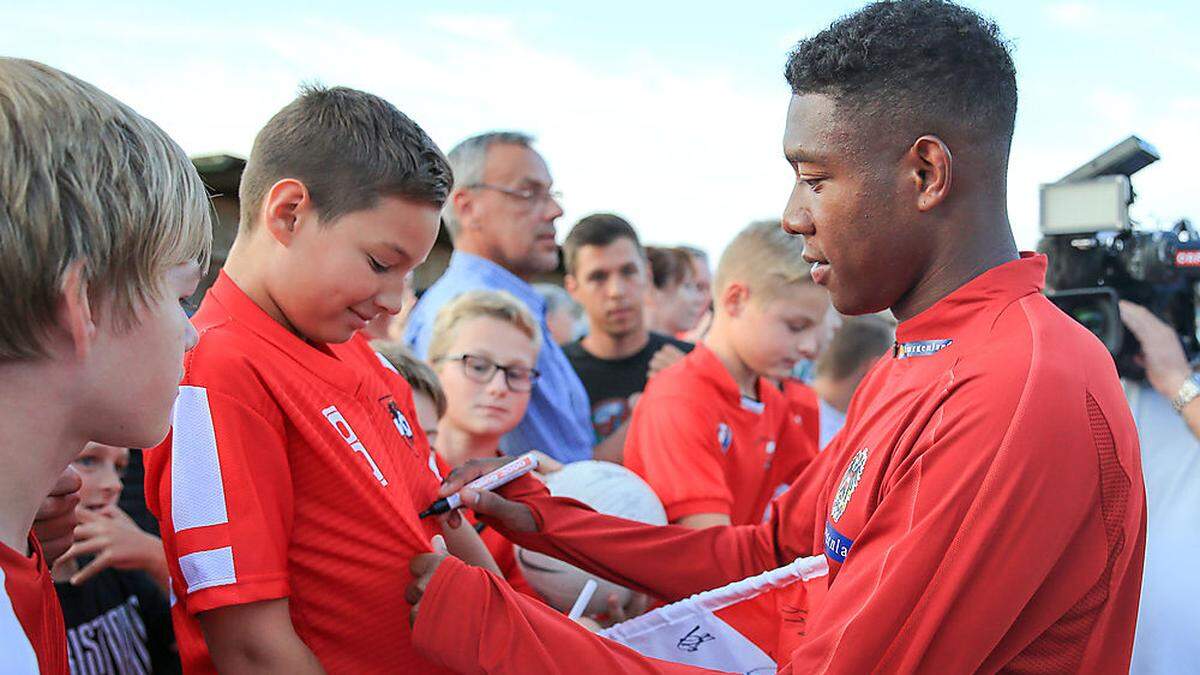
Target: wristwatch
{"x":1187,"y":392}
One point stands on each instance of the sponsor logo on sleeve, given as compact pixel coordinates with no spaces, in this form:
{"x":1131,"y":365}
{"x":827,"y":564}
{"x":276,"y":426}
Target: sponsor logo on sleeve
{"x":837,"y":545}
{"x":908,"y":350}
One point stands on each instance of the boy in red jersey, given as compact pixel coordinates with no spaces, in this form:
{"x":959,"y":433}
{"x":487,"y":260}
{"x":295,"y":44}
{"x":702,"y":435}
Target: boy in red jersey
{"x":289,"y":487}
{"x":711,"y":434}
{"x":982,"y":510}
{"x":104,"y":230}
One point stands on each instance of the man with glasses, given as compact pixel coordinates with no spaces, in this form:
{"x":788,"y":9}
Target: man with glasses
{"x":501,"y":216}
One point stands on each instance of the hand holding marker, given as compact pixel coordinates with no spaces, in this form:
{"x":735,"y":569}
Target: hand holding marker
{"x":505,"y":474}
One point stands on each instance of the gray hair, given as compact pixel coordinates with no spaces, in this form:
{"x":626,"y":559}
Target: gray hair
{"x":556,"y":297}
{"x":467,"y":160}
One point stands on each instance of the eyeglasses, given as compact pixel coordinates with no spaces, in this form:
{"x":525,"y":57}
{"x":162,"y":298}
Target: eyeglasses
{"x":530,"y":195}
{"x":481,"y":369}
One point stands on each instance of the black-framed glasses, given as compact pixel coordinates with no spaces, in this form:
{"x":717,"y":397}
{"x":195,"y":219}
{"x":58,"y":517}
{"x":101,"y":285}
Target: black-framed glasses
{"x":530,"y":195}
{"x":481,"y":369}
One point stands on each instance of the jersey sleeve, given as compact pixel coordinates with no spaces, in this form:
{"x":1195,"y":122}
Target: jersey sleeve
{"x":946,"y":563}
{"x":471,"y":622}
{"x":640,"y":556}
{"x":224,"y":495}
{"x":675,"y":448}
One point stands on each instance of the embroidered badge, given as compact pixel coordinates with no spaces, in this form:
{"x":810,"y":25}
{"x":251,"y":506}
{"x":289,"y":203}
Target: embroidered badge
{"x":400,"y":421}
{"x":921,"y":348}
{"x":724,"y":436}
{"x":849,"y":482}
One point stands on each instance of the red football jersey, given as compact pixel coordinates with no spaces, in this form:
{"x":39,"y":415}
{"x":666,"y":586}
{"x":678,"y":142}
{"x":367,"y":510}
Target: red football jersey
{"x":982,"y":510}
{"x":32,"y":636}
{"x":705,"y":448}
{"x":292,"y":470}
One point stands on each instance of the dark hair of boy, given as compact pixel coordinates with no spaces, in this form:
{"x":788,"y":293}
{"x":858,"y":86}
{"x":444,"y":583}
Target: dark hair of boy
{"x":349,"y":148}
{"x":416,"y":372}
{"x":598,"y":229}
{"x":668,"y":266}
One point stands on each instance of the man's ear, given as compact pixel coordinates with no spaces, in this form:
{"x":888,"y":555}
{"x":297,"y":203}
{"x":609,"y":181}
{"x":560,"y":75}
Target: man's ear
{"x":286,"y":207}
{"x":75,"y":309}
{"x":571,"y":285}
{"x":932,"y":171}
{"x":734,"y":298}
{"x":462,"y":203}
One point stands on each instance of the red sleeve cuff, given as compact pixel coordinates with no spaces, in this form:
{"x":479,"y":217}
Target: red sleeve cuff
{"x":241,"y":593}
{"x":691,"y":507}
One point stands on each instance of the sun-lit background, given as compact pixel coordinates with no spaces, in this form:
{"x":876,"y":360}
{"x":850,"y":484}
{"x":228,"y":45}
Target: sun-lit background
{"x":661,"y":111}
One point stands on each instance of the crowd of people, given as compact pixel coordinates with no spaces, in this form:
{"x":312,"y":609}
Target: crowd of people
{"x":875,"y":378}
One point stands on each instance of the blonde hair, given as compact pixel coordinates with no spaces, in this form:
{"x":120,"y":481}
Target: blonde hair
{"x":416,"y":372}
{"x":498,"y":305}
{"x":765,"y":258}
{"x":85,"y":178}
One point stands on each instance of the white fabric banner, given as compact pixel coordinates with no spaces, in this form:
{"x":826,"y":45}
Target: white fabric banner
{"x":689,"y":632}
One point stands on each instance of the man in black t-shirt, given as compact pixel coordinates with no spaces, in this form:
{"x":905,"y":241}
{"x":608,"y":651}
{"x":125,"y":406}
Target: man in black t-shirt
{"x":607,"y":274}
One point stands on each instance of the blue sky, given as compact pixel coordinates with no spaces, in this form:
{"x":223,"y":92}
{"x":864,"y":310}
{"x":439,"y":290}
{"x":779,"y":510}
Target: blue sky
{"x":664,"y":112}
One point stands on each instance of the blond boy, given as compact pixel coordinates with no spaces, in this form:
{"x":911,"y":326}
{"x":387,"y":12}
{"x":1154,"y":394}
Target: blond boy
{"x":104,"y":230}
{"x":711,"y":434}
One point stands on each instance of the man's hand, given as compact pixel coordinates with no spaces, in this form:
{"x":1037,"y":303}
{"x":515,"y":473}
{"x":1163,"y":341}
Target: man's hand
{"x":667,"y":355}
{"x":1162,"y":354}
{"x":422,"y":567}
{"x":512,"y":515}
{"x":54,"y":525}
{"x":116,"y":541}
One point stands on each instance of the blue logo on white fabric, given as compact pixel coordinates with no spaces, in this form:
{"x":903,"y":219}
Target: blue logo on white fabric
{"x":921,"y":348}
{"x":837,"y":545}
{"x":724,"y":436}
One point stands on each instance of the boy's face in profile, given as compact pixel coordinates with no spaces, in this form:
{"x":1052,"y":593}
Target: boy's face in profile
{"x":334,"y":278}
{"x":135,"y":370}
{"x":772,"y":334}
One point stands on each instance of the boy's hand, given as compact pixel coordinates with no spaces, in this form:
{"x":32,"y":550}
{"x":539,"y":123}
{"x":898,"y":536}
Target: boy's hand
{"x":513,"y":515}
{"x":667,"y":355}
{"x":115,"y":541}
{"x":54,"y":525}
{"x":423,"y":567}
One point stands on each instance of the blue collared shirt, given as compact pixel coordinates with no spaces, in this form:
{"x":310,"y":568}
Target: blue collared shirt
{"x":557,"y":421}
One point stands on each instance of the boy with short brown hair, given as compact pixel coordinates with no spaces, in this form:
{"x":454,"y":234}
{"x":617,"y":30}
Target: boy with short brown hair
{"x":289,"y":491}
{"x":104,"y":229}
{"x":711,"y":434}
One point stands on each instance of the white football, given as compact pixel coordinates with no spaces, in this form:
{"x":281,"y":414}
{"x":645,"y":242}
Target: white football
{"x":610,"y":489}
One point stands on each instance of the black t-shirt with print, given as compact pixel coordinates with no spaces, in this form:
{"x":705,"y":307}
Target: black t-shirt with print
{"x":118,"y":622}
{"x":610,"y":383}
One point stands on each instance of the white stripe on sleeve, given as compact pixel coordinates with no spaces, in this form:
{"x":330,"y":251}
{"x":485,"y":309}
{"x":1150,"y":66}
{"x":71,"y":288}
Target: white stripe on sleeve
{"x":205,"y":569}
{"x":197,"y":493}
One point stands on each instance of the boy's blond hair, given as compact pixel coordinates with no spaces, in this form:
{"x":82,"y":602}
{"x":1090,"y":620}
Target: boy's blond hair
{"x":765,"y":258}
{"x":85,"y":178}
{"x":499,"y":305}
{"x":416,"y":372}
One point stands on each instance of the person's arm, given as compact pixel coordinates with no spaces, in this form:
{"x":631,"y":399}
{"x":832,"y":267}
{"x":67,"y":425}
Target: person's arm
{"x":699,"y":521}
{"x":1162,"y":356}
{"x":465,"y":544}
{"x":256,"y":637}
{"x":619,"y":550}
{"x":471,"y":622}
{"x":612,"y":448}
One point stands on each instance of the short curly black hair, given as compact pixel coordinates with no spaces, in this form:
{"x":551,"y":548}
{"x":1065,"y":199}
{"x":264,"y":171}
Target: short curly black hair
{"x":930,"y":66}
